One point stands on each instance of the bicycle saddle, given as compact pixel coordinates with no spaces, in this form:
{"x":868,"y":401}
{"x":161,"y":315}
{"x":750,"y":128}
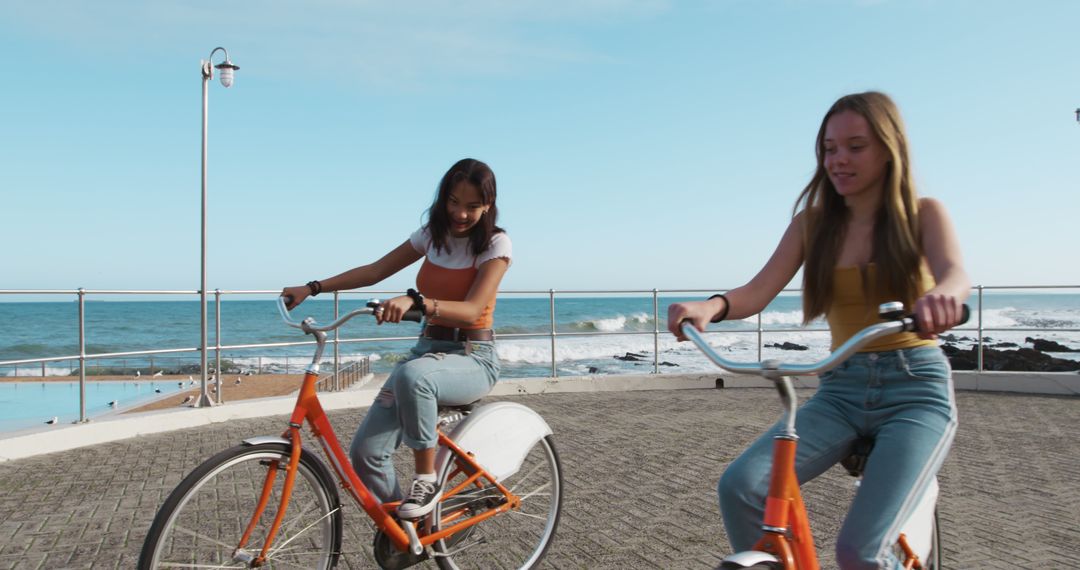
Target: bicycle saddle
{"x":856,"y":461}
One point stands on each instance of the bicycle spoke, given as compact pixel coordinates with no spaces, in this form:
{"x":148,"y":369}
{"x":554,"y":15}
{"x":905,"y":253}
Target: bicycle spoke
{"x":302,"y":531}
{"x":521,"y":514}
{"x":526,"y":476}
{"x":182,"y":530}
{"x":535,"y":493}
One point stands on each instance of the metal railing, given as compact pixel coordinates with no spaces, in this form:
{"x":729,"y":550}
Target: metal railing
{"x":346,"y":377}
{"x":554,"y":334}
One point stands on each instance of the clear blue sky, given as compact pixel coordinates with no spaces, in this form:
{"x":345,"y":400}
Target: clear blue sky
{"x":636,"y":144}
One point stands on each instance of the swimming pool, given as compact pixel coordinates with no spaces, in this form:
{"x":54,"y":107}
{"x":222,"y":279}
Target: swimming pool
{"x":30,"y":404}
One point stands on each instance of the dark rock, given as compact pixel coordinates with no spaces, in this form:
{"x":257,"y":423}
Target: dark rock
{"x":666,"y":363}
{"x":786,"y":346}
{"x":1004,"y":345}
{"x":593,"y":370}
{"x":631,"y":357}
{"x":1048,"y":345}
{"x":1019,"y":360}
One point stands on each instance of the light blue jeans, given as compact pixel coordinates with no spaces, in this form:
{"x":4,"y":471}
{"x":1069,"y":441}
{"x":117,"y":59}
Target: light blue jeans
{"x":406,"y":409}
{"x":904,"y":400}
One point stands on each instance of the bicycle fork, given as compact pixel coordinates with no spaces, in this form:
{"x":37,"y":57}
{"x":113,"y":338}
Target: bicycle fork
{"x":239,"y":554}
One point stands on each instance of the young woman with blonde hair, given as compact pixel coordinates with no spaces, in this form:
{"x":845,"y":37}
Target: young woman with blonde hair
{"x":862,"y":236}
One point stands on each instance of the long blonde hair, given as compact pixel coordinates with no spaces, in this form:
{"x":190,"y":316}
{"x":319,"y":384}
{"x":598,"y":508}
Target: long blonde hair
{"x":897,"y":249}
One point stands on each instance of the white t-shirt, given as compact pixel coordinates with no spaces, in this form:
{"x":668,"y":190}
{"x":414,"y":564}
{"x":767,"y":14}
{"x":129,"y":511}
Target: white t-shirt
{"x":459,"y":254}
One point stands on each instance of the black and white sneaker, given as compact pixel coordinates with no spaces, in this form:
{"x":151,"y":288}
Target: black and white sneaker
{"x":422,"y":498}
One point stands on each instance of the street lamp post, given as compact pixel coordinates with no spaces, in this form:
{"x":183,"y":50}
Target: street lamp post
{"x":226,"y":69}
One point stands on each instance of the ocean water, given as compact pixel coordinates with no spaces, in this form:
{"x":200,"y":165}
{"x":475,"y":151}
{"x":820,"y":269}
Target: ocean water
{"x":50,"y":329}
{"x":40,"y":330}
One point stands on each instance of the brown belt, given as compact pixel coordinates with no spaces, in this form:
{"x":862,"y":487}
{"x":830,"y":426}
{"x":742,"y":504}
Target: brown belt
{"x":436,"y":332}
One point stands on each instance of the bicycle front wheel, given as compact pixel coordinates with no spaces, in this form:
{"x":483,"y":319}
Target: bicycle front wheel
{"x":201,"y":523}
{"x":515,"y":539}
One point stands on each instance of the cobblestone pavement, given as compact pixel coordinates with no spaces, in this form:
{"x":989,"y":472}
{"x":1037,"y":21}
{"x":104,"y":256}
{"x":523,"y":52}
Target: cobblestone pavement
{"x":640,"y":476}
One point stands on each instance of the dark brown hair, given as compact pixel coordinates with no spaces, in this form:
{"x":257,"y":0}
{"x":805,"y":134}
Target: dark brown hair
{"x":479,"y":175}
{"x":897,"y":250}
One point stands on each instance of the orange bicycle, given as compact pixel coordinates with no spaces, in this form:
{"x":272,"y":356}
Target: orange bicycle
{"x":786,"y":542}
{"x":272,"y":503}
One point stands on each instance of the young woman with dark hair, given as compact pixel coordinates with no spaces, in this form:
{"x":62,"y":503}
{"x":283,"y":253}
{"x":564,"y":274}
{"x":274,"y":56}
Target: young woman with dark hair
{"x":454,"y":362}
{"x":863,"y":237}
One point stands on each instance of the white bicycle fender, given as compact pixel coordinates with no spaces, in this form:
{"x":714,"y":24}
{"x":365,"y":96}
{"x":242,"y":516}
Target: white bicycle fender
{"x":919,"y":528}
{"x":499,"y":435}
{"x":748,"y":558}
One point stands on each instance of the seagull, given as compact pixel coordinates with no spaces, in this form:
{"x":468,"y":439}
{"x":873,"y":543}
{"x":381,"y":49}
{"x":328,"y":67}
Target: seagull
{"x":187,"y":400}
{"x":54,"y":420}
{"x":137,"y":373}
{"x":238,"y":380}
{"x":180,"y":384}
{"x":213,"y":389}
{"x":158,"y":390}
{"x":113,"y":403}
{"x":159,"y":373}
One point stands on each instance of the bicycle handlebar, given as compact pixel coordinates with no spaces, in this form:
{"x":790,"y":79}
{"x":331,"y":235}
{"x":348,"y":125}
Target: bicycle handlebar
{"x":308,"y":324}
{"x":773,"y":368}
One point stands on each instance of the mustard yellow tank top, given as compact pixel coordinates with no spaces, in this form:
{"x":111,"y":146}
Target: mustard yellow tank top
{"x":851,"y":311}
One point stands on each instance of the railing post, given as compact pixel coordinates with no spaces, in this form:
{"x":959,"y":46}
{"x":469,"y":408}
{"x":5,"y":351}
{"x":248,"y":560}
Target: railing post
{"x":759,"y":341}
{"x":151,"y":371}
{"x":82,"y":355}
{"x":980,"y":359}
{"x":656,"y":332}
{"x":554,"y":372}
{"x":217,"y":341}
{"x":337,"y":362}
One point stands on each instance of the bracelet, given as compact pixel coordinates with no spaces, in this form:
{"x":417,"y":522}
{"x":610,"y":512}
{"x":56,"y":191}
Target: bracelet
{"x":418,"y":300}
{"x":723,"y":314}
{"x":315,"y":287}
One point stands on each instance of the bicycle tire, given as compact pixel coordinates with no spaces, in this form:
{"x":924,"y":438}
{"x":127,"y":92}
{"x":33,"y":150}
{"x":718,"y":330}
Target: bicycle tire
{"x":203,"y":519}
{"x":517,"y":538}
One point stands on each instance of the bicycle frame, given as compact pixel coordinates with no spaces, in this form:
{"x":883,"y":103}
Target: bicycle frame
{"x":402,"y":533}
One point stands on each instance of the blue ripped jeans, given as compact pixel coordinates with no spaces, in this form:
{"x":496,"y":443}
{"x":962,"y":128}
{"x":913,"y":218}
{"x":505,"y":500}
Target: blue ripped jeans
{"x":406,"y":409}
{"x":901,"y":398}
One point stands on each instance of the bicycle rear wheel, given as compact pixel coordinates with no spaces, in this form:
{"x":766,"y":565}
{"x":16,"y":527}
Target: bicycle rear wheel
{"x":515,"y":539}
{"x":202,"y":521}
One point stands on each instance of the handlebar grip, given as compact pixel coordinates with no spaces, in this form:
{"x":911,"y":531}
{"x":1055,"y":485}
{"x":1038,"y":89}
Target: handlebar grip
{"x":965,"y":314}
{"x":414,"y":315}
